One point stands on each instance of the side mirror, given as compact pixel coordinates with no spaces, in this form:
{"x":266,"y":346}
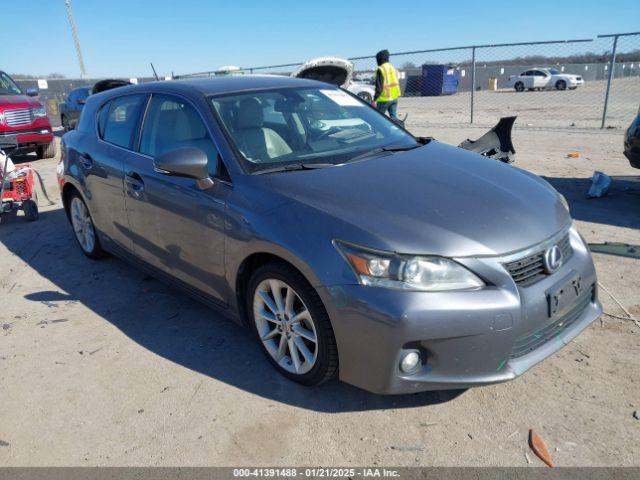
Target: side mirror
{"x":186,"y":162}
{"x":32,"y":92}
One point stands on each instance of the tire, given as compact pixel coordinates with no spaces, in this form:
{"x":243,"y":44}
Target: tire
{"x":561,"y":85}
{"x":65,"y":123}
{"x":366,"y":96}
{"x":30,"y":209}
{"x":46,"y":151}
{"x":519,"y":86}
{"x":82,"y":224}
{"x":283,"y":331}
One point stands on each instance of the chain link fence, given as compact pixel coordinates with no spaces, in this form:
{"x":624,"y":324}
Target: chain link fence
{"x":552,"y":84}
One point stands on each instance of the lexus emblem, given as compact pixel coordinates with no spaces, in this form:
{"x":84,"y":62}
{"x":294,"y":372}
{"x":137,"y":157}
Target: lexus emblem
{"x":553,"y":259}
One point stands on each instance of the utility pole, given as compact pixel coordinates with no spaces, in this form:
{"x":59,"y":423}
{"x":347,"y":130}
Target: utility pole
{"x":74,"y":33}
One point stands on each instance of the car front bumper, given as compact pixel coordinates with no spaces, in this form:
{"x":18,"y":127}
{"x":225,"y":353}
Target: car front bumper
{"x":28,"y":138}
{"x":465,"y":338}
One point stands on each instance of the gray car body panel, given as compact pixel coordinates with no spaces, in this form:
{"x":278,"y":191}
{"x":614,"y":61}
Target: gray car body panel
{"x":433,"y":200}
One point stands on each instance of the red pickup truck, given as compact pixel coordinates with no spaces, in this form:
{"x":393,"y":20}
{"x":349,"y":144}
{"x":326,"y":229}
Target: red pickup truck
{"x":24,"y":120}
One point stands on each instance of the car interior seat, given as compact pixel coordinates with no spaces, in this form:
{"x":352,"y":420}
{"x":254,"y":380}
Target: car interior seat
{"x":258,"y":143}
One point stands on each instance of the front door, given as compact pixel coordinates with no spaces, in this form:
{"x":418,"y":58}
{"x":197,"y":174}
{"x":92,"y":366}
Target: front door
{"x":175,"y":226}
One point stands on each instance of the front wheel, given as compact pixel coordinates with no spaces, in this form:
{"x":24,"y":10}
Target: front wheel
{"x":47,"y":151}
{"x":561,"y":85}
{"x":291,"y":324}
{"x":366,"y":96}
{"x":83,"y":227}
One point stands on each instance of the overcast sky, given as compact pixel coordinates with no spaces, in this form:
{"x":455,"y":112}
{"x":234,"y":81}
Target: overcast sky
{"x":121,"y":37}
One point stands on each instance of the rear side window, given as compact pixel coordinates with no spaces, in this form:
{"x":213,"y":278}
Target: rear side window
{"x":173,"y":123}
{"x":118,"y":119}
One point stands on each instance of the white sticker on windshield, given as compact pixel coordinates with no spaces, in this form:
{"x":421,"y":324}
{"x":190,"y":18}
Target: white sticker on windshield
{"x":342,"y":98}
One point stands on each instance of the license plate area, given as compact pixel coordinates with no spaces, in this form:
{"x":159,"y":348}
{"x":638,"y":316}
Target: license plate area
{"x":564,"y":294}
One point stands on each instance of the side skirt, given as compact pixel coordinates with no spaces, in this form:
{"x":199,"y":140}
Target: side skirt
{"x":158,"y":274}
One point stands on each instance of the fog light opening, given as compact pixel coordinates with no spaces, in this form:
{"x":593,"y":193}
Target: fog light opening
{"x":410,"y":362}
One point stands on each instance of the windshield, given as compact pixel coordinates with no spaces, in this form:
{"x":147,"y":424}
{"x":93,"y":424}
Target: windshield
{"x":8,"y":86}
{"x":273,"y":128}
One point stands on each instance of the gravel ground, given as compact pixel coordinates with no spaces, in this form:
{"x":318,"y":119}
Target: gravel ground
{"x":579,"y":108}
{"x":102,"y":365}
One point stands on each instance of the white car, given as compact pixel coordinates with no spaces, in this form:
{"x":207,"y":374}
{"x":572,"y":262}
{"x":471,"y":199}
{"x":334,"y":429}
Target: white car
{"x":544,"y":78}
{"x":336,"y":71}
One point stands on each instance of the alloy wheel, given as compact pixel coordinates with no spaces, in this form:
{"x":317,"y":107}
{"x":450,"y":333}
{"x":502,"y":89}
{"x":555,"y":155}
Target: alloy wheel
{"x":82,"y":225}
{"x":285,"y":326}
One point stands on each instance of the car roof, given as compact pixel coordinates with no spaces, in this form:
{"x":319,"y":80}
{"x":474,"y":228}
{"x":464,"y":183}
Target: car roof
{"x":220,"y":85}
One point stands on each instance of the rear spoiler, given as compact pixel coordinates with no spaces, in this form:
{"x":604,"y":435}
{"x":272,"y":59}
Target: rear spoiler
{"x":496,"y":143}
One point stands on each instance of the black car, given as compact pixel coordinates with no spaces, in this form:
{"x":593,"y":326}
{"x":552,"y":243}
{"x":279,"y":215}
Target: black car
{"x":71,"y":108}
{"x":632,"y":142}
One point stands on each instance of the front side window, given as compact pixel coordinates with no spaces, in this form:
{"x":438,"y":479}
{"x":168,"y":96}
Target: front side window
{"x":118,"y":119}
{"x":276,"y":127}
{"x":8,"y":86}
{"x":172,"y":123}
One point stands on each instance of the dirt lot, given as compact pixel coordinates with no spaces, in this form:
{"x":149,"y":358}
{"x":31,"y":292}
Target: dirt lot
{"x":102,"y":365}
{"x":580,"y":108}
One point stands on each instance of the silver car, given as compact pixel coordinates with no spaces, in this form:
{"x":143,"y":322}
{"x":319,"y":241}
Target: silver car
{"x":347,"y":245}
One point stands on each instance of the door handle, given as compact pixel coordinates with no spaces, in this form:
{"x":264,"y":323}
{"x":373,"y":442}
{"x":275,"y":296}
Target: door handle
{"x":135,"y":183}
{"x":86,"y":160}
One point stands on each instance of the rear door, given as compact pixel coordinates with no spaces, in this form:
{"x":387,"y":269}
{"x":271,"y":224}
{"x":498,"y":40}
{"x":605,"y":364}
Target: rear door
{"x":540,"y":79}
{"x":175,"y":226}
{"x":100,"y":159}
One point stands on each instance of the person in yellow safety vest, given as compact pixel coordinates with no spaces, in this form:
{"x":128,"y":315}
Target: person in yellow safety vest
{"x":387,"y":85}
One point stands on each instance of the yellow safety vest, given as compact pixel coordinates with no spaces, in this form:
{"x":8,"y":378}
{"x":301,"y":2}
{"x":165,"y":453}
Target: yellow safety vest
{"x":390,"y":85}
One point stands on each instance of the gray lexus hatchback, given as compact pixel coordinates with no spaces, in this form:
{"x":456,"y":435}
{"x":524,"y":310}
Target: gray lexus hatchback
{"x":349,"y":246}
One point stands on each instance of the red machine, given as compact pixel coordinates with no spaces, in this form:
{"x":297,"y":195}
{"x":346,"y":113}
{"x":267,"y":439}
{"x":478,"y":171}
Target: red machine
{"x":17,"y":188}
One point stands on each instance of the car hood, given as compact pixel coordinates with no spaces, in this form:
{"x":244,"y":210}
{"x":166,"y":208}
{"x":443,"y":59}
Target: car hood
{"x":334,"y":70}
{"x":18,"y":101}
{"x":436,"y":199}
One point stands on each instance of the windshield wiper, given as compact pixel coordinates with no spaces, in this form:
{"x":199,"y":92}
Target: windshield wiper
{"x":292,"y":167}
{"x":388,"y":148}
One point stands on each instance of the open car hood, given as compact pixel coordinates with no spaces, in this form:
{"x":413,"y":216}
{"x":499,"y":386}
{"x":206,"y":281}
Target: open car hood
{"x":334,"y":70}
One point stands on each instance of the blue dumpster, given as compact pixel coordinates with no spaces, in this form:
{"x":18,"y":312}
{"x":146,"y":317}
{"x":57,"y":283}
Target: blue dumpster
{"x":439,"y":80}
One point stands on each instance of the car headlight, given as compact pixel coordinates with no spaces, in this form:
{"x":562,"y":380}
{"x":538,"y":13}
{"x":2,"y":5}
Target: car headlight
{"x":39,"y":112}
{"x":405,"y":272}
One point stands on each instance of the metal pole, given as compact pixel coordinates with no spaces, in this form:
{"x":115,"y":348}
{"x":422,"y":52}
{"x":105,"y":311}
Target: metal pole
{"x":473,"y":77}
{"x":612,"y":64}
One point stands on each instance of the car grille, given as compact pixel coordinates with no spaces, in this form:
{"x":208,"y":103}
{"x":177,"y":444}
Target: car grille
{"x":528,"y":270}
{"x":532,"y":341}
{"x":19,"y":117}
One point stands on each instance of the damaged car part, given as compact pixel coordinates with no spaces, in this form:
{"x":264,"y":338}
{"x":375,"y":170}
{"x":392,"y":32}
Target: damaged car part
{"x":496,"y":143}
{"x":335,"y":71}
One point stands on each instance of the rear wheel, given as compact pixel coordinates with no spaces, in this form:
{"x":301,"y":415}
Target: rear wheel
{"x":30,"y":209}
{"x":561,"y":85}
{"x":65,"y":123}
{"x":291,"y":324}
{"x":83,"y":227}
{"x":519,"y":86}
{"x":47,"y":151}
